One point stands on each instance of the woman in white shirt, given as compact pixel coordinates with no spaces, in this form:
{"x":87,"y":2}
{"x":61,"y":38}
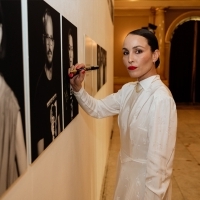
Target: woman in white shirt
{"x":147,"y":121}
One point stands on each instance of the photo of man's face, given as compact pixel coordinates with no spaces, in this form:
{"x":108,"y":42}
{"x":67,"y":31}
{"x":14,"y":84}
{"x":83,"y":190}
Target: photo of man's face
{"x":44,"y":75}
{"x":49,"y":40}
{"x":71,"y":50}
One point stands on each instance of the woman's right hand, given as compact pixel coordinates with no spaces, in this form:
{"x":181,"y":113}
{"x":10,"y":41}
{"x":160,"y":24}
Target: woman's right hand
{"x":76,"y":80}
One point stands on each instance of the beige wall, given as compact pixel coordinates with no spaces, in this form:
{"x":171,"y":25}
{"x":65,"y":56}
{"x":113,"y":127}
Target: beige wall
{"x":73,"y":166}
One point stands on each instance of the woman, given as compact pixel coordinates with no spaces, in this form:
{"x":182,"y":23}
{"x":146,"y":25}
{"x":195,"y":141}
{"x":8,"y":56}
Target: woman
{"x":147,"y":121}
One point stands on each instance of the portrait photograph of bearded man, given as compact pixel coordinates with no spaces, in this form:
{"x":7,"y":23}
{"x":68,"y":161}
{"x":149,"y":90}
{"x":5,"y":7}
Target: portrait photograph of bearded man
{"x":45,"y":75}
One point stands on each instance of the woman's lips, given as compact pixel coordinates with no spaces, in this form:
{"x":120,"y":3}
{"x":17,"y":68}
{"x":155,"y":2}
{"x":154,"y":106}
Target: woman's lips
{"x":132,"y":67}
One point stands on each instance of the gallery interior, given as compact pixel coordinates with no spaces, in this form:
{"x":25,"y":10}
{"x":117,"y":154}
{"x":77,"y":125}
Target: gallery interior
{"x":80,"y":164}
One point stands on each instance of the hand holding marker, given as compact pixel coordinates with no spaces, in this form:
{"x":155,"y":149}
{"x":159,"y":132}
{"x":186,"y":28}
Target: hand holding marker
{"x":74,"y":72}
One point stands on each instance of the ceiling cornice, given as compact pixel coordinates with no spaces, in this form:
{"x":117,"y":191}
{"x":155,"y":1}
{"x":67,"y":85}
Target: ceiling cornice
{"x":147,"y":4}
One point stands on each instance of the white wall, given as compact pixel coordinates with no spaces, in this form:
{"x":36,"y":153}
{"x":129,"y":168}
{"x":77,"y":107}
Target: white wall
{"x":73,"y":166}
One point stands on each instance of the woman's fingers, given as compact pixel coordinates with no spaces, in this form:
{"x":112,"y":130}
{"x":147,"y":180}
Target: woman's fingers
{"x":76,"y":79}
{"x":69,"y":71}
{"x":78,"y":66}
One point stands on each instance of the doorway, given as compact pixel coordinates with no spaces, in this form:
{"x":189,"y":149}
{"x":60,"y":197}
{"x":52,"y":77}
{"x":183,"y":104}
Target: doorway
{"x":184,"y":72}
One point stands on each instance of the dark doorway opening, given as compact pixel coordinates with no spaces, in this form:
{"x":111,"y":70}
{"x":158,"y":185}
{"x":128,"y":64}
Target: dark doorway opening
{"x":184,"y":75}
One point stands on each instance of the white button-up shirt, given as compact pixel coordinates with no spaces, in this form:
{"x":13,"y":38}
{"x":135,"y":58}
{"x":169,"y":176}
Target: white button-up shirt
{"x":148,"y":122}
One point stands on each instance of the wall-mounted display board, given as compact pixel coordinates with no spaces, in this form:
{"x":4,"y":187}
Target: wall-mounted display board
{"x":102,"y":63}
{"x":95,"y":55}
{"x":44,"y":75}
{"x":52,"y":50}
{"x":13,"y":160}
{"x":69,"y":58}
{"x":90,"y":82}
{"x":37,"y":46}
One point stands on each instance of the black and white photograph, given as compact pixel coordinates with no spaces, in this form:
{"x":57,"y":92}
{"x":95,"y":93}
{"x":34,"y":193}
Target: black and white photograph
{"x":70,"y":55}
{"x":44,"y":75}
{"x":104,"y":64}
{"x":99,"y":71}
{"x":101,"y":62}
{"x":13,"y":158}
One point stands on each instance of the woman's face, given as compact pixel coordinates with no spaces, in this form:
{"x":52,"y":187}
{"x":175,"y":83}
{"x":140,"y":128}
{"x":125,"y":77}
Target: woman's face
{"x":138,"y":57}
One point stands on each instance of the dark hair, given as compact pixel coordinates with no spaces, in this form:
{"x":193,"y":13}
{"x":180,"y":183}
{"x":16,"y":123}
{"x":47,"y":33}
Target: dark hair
{"x":3,"y":41}
{"x":151,"y":39}
{"x":70,"y":32}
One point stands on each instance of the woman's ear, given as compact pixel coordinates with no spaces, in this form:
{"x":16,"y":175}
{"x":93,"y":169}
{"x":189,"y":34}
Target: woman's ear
{"x":156,"y":55}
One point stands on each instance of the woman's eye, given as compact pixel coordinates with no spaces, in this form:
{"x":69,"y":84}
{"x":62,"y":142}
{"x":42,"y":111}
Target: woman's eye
{"x":125,"y":52}
{"x":138,"y":51}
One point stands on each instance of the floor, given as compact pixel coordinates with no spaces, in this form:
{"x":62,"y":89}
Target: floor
{"x":186,"y":172}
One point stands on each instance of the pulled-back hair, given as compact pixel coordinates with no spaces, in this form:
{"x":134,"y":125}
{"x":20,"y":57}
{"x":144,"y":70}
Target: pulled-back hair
{"x":151,"y":39}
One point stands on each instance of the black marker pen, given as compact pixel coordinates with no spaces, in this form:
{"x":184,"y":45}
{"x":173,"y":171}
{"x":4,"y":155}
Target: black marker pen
{"x":76,"y":71}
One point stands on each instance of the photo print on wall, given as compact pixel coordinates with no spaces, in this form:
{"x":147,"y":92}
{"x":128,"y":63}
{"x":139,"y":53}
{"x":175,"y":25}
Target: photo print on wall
{"x":70,"y":55}
{"x":13,"y":160}
{"x":102,"y":63}
{"x":44,"y":75}
{"x":90,"y":81}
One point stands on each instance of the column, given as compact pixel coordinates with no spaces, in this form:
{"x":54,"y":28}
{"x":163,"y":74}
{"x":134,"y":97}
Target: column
{"x":160,"y":34}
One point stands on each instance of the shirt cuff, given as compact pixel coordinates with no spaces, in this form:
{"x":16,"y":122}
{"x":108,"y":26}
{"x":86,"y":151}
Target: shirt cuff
{"x":79,"y":93}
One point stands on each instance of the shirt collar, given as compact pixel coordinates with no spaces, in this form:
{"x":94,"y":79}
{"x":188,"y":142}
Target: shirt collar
{"x":147,"y":82}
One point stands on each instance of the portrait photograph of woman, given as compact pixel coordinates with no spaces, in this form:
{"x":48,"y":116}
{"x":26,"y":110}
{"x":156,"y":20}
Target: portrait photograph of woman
{"x":70,"y":55}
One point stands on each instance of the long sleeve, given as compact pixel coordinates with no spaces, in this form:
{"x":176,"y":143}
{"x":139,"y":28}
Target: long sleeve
{"x":99,"y":108}
{"x":162,"y":139}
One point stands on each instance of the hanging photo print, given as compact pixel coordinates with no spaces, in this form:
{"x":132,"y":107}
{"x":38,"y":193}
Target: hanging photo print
{"x":69,"y":47}
{"x":13,"y":160}
{"x":90,"y":81}
{"x":102,"y":63}
{"x":45,"y":75}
